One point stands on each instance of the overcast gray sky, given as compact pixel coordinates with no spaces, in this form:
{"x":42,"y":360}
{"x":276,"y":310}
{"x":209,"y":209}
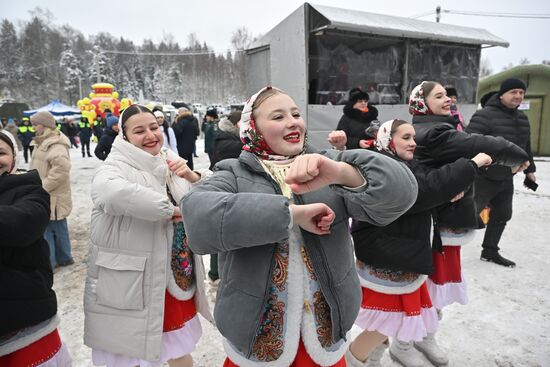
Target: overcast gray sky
{"x":214,"y":21}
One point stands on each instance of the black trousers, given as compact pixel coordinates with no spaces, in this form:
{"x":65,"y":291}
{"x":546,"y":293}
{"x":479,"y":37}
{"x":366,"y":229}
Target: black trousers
{"x":85,"y":145}
{"x":27,"y":150}
{"x":498,"y":195}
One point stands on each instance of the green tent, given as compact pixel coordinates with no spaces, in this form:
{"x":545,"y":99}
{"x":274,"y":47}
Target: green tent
{"x":536,"y":104}
{"x":13,"y":110}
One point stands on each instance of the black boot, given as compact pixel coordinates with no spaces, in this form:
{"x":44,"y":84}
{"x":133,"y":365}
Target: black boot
{"x":495,"y":257}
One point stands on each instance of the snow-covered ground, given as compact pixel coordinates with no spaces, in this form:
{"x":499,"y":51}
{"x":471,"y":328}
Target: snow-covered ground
{"x":505,"y":324}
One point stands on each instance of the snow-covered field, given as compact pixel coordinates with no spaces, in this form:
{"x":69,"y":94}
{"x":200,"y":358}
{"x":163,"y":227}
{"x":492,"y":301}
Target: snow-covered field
{"x":505,"y":324}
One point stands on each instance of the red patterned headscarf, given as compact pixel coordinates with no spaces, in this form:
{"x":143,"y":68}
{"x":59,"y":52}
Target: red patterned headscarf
{"x":253,"y":141}
{"x":417,"y":101}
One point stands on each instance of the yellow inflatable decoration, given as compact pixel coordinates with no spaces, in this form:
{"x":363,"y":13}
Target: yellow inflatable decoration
{"x":101,"y":99}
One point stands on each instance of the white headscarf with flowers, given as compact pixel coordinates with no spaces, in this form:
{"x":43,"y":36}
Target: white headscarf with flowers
{"x":384,"y":138}
{"x":417,"y":101}
{"x":253,"y":141}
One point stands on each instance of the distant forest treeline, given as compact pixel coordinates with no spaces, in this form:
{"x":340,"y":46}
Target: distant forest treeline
{"x":41,"y":61}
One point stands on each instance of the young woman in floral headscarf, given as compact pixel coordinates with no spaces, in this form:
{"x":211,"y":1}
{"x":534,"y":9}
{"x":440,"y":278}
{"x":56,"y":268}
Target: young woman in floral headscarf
{"x":278,"y":218}
{"x":394,"y":261}
{"x":439,"y":143}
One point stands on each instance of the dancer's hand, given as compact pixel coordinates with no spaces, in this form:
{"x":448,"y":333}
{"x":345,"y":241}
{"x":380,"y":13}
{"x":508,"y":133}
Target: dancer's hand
{"x":315,"y":218}
{"x":310,"y":172}
{"x":338,"y":139}
{"x":482,"y":160}
{"x":180,"y":168}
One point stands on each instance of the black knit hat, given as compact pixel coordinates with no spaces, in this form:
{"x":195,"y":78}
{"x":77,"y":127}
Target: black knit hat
{"x":356,"y":94}
{"x":212,"y":112}
{"x":451,"y":91}
{"x":509,"y":84}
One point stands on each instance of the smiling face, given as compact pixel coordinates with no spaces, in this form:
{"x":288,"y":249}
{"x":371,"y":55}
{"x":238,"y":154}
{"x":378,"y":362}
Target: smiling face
{"x":438,"y":102}
{"x":6,"y":157}
{"x":403,"y":142}
{"x":279,"y":121}
{"x":143,"y":131}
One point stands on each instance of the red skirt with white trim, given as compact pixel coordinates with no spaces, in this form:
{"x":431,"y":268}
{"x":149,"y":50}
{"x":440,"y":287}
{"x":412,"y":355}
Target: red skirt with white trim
{"x":181,"y":333}
{"x":47,"y":351}
{"x":446,"y":285}
{"x":405,"y":317}
{"x":302,"y":359}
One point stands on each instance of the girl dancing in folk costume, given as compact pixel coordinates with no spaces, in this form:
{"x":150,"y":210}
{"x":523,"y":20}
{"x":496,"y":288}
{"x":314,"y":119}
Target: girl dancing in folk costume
{"x":278,"y":217}
{"x":394,"y":261}
{"x":143,"y":287}
{"x":28,"y":310}
{"x":439,"y":143}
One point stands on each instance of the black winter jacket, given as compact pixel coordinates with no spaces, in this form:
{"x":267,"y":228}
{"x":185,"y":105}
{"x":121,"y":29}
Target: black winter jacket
{"x":439,"y":143}
{"x":227,"y":143}
{"x":26,"y":277}
{"x":186,"y":131}
{"x":495,"y":119}
{"x":354,"y":123}
{"x":105,"y":143}
{"x":404,"y":245}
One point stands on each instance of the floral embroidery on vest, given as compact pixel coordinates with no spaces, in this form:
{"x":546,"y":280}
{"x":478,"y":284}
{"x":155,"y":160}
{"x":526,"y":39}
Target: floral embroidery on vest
{"x":322,"y":319}
{"x":321,"y":309}
{"x":309,"y":265}
{"x":393,"y":275}
{"x":182,"y":259}
{"x":269,"y":343}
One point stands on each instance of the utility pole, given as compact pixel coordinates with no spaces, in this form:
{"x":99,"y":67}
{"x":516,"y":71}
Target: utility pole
{"x":437,"y":13}
{"x":97,"y":68}
{"x":80,"y":86}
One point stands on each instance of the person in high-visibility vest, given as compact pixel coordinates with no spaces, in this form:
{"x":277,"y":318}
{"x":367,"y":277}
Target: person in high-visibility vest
{"x":85,"y":134}
{"x":26,"y":133}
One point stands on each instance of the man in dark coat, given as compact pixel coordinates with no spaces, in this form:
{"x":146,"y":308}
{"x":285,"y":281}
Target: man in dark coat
{"x":186,"y":131}
{"x":210,"y":128}
{"x":495,"y":186}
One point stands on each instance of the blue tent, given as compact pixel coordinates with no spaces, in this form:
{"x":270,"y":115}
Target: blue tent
{"x":56,"y":108}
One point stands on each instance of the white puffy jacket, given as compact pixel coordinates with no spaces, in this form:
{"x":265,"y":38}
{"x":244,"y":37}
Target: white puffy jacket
{"x":129,"y":255}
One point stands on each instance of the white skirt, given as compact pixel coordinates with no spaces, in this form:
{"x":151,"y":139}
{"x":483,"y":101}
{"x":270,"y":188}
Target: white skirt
{"x":175,"y":344}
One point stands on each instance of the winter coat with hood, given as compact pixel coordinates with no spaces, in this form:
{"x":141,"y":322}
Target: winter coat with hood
{"x":439,"y":143}
{"x":26,"y":276}
{"x":227,"y":143}
{"x":52,"y":161}
{"x":354,"y":122}
{"x":495,"y":119}
{"x":241,"y":214}
{"x":186,"y":131}
{"x":131,"y":234}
